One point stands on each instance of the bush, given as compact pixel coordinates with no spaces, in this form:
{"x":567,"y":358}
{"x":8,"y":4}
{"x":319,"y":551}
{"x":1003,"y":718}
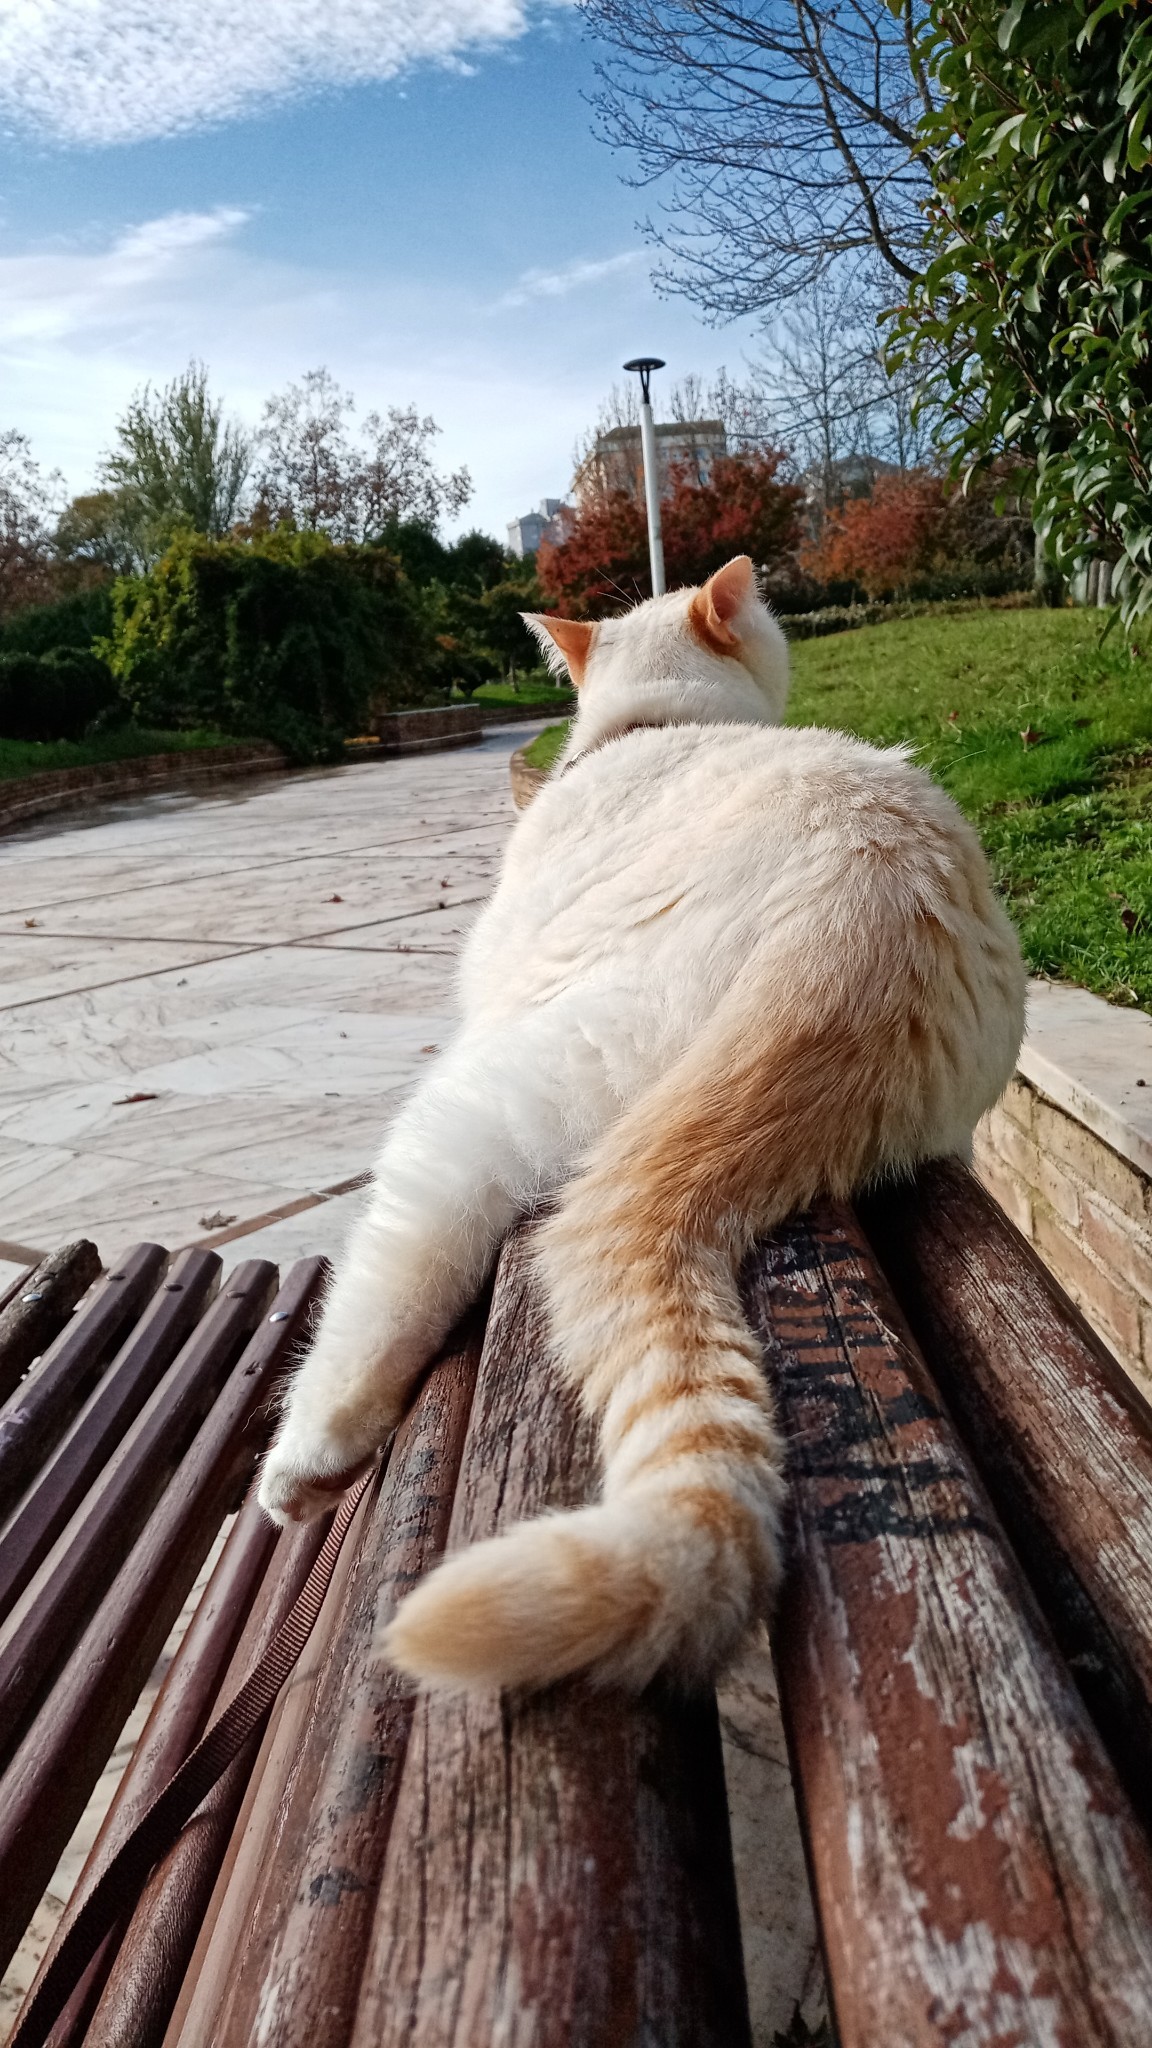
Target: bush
{"x":73,"y":622}
{"x":286,"y":636}
{"x":53,"y":696}
{"x":918,"y":535}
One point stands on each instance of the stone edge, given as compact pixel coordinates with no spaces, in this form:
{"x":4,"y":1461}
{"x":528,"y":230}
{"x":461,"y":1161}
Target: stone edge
{"x":35,"y":796}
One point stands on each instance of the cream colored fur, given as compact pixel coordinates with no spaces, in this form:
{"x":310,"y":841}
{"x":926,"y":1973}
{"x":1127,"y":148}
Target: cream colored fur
{"x":728,"y":966}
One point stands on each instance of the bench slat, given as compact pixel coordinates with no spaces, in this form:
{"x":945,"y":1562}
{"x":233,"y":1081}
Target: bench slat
{"x":309,"y":1923}
{"x":47,"y":1785}
{"x":37,"y":1414}
{"x":157,"y":1945}
{"x":976,"y":1866}
{"x":179,"y":1715}
{"x":1062,"y":1439}
{"x":559,"y":1870}
{"x":28,"y":1326}
{"x":116,"y":1400}
{"x":81,"y":1564}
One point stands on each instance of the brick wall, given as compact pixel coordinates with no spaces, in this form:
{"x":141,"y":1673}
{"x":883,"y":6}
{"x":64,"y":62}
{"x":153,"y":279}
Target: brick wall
{"x":1087,"y":1211}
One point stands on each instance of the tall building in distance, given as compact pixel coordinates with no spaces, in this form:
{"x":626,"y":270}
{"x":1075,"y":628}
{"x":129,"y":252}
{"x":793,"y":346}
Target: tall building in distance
{"x":548,"y":522}
{"x":615,"y":461}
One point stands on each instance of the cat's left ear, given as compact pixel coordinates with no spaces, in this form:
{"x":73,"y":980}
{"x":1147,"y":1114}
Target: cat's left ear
{"x":719,"y":601}
{"x":566,"y":643}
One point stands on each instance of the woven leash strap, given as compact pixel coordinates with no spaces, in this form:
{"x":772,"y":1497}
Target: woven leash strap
{"x":118,"y":1886}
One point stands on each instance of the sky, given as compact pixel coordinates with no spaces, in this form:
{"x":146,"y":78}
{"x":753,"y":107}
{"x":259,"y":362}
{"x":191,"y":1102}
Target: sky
{"x":406,"y":191}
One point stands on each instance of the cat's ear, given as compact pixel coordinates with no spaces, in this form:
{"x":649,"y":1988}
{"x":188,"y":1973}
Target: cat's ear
{"x":567,"y":643}
{"x":719,"y":601}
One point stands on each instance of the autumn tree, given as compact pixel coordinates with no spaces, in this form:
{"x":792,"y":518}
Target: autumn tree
{"x":28,"y":510}
{"x":744,"y":507}
{"x":919,"y":530}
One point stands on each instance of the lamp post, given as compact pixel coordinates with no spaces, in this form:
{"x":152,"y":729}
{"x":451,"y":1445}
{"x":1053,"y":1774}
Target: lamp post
{"x":645,"y":365}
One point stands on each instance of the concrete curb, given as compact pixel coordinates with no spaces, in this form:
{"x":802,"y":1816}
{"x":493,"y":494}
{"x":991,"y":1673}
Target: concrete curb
{"x":525,"y":779}
{"x":34,"y":796}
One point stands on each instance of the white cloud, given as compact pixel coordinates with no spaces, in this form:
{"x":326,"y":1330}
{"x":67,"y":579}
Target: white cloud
{"x":51,"y":293}
{"x":571,"y":277}
{"x":103,"y":71}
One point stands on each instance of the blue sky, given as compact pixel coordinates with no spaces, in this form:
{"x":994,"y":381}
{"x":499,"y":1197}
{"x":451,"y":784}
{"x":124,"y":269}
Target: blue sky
{"x":243,"y":181}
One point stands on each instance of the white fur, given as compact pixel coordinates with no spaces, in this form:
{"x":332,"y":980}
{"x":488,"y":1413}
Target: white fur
{"x":714,"y":860}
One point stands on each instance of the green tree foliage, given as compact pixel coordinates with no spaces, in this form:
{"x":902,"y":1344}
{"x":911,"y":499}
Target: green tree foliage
{"x":476,"y":594}
{"x":1033,"y":315}
{"x":177,"y":465}
{"x":286,"y":636}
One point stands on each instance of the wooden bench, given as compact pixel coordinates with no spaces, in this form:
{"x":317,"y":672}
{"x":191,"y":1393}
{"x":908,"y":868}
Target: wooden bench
{"x":964,"y":1652}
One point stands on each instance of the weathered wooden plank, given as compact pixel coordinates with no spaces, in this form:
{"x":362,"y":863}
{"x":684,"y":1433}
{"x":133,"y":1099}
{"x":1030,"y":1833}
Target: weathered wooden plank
{"x":978,"y":1872}
{"x":179,"y":1716}
{"x":558,"y":1873}
{"x":116,"y":1400}
{"x":296,"y":1975}
{"x":1062,"y":1438}
{"x":39,"y":1305}
{"x":156,"y":1946}
{"x":268,"y":1800}
{"x":80,"y":1566}
{"x":47,"y":1784}
{"x":37,"y":1414}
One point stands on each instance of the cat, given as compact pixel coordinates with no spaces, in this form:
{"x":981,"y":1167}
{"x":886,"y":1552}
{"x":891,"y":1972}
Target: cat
{"x":729,"y":966}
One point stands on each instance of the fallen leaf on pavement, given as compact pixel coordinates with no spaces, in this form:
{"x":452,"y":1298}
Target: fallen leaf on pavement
{"x":216,"y":1222}
{"x":143,"y":1096}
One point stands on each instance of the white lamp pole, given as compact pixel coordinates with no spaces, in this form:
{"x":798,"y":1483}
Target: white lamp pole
{"x":645,"y":365}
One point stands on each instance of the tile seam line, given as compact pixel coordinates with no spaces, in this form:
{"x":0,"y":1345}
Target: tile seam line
{"x":259,"y":867}
{"x":257,"y":945}
{"x":123,"y":980}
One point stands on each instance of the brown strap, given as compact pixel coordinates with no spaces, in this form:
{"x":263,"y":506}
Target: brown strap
{"x":118,"y":1886}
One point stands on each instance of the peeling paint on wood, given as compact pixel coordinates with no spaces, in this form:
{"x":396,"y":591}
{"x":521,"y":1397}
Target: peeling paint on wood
{"x":980,"y":1879}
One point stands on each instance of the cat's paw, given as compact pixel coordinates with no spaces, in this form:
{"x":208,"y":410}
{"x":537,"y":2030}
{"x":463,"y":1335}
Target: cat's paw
{"x":297,"y":1488}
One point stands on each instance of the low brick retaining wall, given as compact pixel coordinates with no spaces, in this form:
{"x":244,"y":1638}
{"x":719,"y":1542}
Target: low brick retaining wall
{"x":523,"y":714}
{"x":33,"y":796}
{"x":1085,"y":1208}
{"x":428,"y":732}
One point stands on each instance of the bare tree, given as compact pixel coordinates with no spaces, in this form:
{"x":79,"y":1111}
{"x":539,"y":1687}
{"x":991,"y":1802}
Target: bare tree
{"x":784,"y":132}
{"x":315,"y":472}
{"x":836,"y":405}
{"x":29,"y":505}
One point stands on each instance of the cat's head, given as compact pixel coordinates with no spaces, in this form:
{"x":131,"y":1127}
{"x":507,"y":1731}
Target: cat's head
{"x":715,"y":653}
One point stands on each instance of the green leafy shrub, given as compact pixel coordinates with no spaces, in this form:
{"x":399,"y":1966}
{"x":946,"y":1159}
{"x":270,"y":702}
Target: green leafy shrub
{"x":53,"y":696}
{"x":1033,"y":314}
{"x":285,"y":636}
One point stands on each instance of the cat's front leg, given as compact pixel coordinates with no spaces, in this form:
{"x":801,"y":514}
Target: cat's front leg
{"x":488,"y":1129}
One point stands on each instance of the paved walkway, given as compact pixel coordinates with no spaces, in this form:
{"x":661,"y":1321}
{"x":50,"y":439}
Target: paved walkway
{"x":263,"y":969}
{"x":209,"y":1006}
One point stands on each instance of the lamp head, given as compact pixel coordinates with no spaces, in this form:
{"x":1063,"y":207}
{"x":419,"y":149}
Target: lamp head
{"x":645,"y":365}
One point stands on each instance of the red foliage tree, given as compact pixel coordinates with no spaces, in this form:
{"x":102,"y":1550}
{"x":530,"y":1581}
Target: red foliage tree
{"x":883,"y":543}
{"x":743,"y":509}
{"x":918,"y":526}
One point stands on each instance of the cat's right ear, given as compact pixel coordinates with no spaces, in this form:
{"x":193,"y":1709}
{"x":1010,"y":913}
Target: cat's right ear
{"x":567,"y":643}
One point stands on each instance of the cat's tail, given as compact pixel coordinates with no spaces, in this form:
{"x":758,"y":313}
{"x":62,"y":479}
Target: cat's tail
{"x":639,"y":1264}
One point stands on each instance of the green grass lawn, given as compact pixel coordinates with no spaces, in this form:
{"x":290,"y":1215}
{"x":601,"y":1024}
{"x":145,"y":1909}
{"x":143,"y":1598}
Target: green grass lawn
{"x":1043,"y":734}
{"x":35,"y":757}
{"x":529,"y":690}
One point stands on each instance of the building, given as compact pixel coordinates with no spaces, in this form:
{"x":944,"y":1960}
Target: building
{"x":548,"y":522}
{"x":615,"y":461}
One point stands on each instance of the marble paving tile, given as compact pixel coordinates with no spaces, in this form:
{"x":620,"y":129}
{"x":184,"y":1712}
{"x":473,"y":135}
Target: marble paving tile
{"x":48,"y":1195}
{"x":35,"y":966}
{"x":304,"y":1143}
{"x":263,"y":905}
{"x":316,"y":1232}
{"x":433,"y":931}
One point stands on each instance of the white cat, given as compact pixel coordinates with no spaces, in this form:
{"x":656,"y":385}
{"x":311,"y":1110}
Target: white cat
{"x":728,"y":967}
